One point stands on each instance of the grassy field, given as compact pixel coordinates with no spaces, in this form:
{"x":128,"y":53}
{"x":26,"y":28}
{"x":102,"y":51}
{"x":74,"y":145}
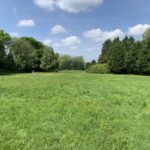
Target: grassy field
{"x":74,"y":111}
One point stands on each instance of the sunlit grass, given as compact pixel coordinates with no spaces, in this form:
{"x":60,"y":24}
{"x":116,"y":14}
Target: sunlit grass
{"x":74,"y":111}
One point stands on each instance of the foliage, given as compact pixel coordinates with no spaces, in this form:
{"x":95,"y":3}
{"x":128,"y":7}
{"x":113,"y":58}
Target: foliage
{"x":106,"y":50}
{"x":88,"y":64}
{"x":99,"y":68}
{"x":77,"y":63}
{"x":71,"y":63}
{"x":131,"y":54}
{"x":143,"y":62}
{"x":2,"y":55}
{"x":4,"y":39}
{"x":127,"y":56}
{"x":48,"y":60}
{"x":116,"y":62}
{"x":24,"y":55}
{"x":36,"y":44}
{"x":65,"y":62}
{"x":38,"y":48}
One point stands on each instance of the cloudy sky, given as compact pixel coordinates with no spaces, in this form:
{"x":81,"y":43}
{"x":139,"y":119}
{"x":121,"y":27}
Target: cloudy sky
{"x":75,"y":27}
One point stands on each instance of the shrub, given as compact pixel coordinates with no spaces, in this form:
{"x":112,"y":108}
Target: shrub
{"x":99,"y":68}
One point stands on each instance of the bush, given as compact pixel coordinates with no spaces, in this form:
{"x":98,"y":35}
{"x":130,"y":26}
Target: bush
{"x":99,"y":68}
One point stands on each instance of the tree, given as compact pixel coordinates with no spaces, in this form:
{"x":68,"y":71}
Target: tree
{"x":87,"y":65}
{"x":146,"y":36}
{"x":131,"y":55}
{"x":49,"y":59}
{"x":106,"y":50}
{"x":93,"y":62}
{"x":128,"y":43}
{"x":143,"y":62}
{"x":4,"y":39}
{"x":36,"y":44}
{"x":117,"y":57}
{"x":38,"y":47}
{"x":24,"y":55}
{"x":2,"y":55}
{"x":78,"y":63}
{"x":65,"y":62}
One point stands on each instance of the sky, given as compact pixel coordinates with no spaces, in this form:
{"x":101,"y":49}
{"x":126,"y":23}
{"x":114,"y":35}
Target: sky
{"x":75,"y":27}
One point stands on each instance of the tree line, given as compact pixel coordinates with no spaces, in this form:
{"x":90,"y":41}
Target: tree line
{"x":26,"y":54}
{"x":127,"y":56}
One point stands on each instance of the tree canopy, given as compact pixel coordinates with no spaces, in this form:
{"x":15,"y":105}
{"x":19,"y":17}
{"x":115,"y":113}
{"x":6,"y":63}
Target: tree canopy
{"x":26,"y":54}
{"x":127,"y":56}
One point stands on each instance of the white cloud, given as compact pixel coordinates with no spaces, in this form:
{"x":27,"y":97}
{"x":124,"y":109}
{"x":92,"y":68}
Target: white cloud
{"x":71,"y":6}
{"x":98,"y":35}
{"x":14,"y":34}
{"x":58,"y":29}
{"x":71,"y":41}
{"x":26,"y":23}
{"x":46,"y":4}
{"x":75,"y":6}
{"x":138,"y":29}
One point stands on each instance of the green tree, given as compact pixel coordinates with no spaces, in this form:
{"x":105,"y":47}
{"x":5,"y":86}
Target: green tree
{"x":87,"y":65}
{"x":38,"y":47}
{"x":65,"y":62}
{"x":4,"y":37}
{"x":143,"y":62}
{"x":93,"y":62}
{"x":146,"y":36}
{"x":117,"y":57}
{"x":4,"y":40}
{"x":49,"y":60}
{"x":106,"y":50}
{"x":131,"y":55}
{"x":2,"y":55}
{"x":77,"y":63}
{"x":128,"y":43}
{"x":24,"y":55}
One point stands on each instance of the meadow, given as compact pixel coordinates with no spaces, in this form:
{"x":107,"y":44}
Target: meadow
{"x":74,"y":111}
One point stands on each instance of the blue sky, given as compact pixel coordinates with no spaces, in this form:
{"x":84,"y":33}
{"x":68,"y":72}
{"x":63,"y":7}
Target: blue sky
{"x":75,"y":27}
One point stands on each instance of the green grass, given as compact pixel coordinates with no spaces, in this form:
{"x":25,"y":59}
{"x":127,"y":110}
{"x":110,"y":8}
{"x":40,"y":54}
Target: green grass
{"x":74,"y":111}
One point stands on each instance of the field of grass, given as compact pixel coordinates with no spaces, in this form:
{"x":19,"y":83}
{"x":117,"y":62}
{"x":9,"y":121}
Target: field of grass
{"x":74,"y":111}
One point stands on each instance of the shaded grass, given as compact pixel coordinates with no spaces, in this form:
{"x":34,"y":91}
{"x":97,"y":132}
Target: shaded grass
{"x":74,"y":111}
